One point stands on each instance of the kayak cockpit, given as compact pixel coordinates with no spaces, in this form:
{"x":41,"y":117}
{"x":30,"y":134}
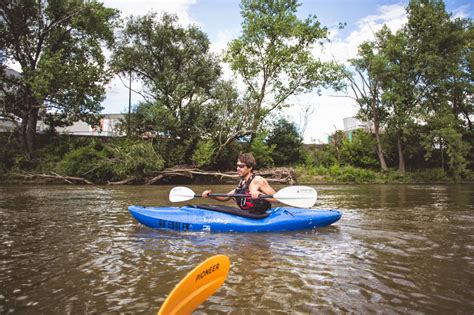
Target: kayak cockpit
{"x":232,"y":210}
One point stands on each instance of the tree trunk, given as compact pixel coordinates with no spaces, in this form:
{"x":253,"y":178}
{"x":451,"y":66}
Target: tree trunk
{"x":255,"y":125}
{"x":258,"y":110}
{"x":22,"y":135}
{"x":28,"y":128}
{"x":31,"y":128}
{"x":380,"y":154}
{"x":401,"y":158}
{"x":442,"y":153}
{"x":383,"y":165}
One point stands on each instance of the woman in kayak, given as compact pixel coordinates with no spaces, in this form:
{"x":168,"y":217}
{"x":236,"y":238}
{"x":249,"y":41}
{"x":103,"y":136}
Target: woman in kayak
{"x":249,"y":184}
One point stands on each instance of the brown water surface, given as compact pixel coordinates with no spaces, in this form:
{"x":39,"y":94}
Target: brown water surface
{"x":397,"y":249}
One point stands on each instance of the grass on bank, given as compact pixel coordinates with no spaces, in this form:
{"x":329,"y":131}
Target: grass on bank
{"x":349,"y":174}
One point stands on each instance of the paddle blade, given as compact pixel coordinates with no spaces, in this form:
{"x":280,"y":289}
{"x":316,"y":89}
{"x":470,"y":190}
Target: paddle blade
{"x":178,"y":194}
{"x":197,"y":286}
{"x":297,"y":196}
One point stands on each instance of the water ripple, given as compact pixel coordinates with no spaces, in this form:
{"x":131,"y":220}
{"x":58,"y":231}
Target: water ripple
{"x":397,"y":249}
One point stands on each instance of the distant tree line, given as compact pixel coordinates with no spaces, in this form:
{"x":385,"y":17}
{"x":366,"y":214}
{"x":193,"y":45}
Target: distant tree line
{"x":414,"y":86}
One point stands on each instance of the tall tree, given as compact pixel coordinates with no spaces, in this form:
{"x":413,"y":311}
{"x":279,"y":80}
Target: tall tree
{"x":178,"y":73}
{"x":401,"y":96}
{"x":228,"y":117}
{"x":441,"y":47}
{"x":367,"y":88}
{"x":425,"y":77}
{"x":58,"y":45}
{"x":274,"y":56}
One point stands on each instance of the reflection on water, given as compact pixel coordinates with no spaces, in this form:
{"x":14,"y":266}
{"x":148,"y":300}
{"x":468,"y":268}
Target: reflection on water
{"x":397,"y":249}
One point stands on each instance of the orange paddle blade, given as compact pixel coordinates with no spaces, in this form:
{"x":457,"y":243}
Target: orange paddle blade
{"x":197,"y":286}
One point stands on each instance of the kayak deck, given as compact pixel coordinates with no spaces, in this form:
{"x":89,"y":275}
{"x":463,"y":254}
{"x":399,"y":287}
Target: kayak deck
{"x":190,"y":218}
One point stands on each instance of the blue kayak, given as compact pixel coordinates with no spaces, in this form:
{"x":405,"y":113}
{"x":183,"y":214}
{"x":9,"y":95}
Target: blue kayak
{"x":227,"y":219}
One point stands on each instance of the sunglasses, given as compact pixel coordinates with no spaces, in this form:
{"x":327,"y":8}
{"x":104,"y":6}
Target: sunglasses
{"x":241,"y":165}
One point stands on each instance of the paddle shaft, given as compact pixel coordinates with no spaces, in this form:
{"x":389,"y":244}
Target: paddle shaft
{"x":235,"y":195}
{"x":295,"y":196}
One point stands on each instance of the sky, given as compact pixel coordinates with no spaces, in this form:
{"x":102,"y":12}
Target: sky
{"x":221,"y":21}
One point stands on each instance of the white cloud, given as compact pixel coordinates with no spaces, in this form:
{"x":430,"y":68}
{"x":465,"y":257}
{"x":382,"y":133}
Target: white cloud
{"x":324,"y":118}
{"x":219,"y":46}
{"x":142,"y":7}
{"x":342,"y":49}
{"x":461,"y":12}
{"x":329,"y":110}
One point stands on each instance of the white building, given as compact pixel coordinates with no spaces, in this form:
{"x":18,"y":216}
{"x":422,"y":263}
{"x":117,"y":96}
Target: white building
{"x":108,"y":127}
{"x":352,"y":124}
{"x":6,"y":124}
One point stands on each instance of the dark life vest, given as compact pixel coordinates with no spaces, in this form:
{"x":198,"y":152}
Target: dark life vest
{"x":247,"y":203}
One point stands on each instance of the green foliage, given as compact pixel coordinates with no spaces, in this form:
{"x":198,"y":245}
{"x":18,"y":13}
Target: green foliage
{"x":58,"y":45}
{"x":287,"y":142}
{"x":179,"y":73}
{"x":336,"y":173}
{"x":8,"y":153}
{"x":445,"y":135}
{"x":360,"y":150}
{"x":101,"y":162}
{"x":90,"y":162}
{"x":369,"y":66}
{"x":274,"y":55}
{"x":355,"y":175}
{"x":336,"y":143}
{"x":135,"y":158}
{"x":228,"y":118}
{"x":204,"y":152}
{"x":320,"y":156}
{"x":429,"y":175}
{"x":262,"y":152}
{"x":416,"y":90}
{"x":227,"y":158}
{"x":421,"y":73}
{"x":51,"y":149}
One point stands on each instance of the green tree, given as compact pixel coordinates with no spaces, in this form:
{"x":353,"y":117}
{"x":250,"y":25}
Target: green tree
{"x":262,"y":151}
{"x":178,"y":74}
{"x":367,"y":90}
{"x":202,"y":156}
{"x":336,"y":143}
{"x":359,"y":151}
{"x":420,"y":74}
{"x":443,"y":48}
{"x":58,"y":45}
{"x":444,"y":135}
{"x":401,"y":96}
{"x":287,"y":141}
{"x":274,"y":56}
{"x":228,"y":117}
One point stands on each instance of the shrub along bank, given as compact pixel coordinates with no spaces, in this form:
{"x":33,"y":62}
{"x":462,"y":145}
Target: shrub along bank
{"x":350,"y":174}
{"x":103,"y":160}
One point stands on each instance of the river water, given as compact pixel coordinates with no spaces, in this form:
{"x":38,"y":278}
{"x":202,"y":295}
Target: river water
{"x":397,"y":249}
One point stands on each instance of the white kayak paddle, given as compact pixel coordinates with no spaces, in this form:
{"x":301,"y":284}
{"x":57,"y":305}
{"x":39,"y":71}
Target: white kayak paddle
{"x":296,"y":196}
